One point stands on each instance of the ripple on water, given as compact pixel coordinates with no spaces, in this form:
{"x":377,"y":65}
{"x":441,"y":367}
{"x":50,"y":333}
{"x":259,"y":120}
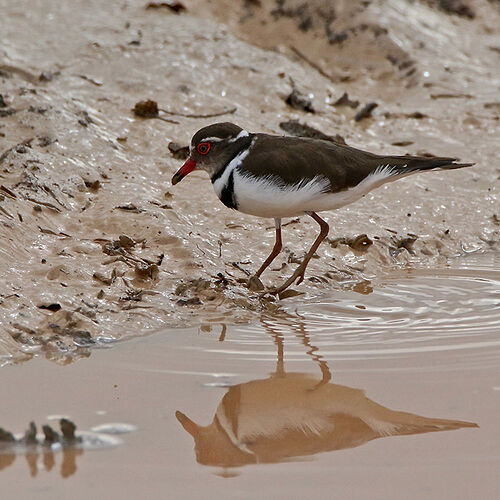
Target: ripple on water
{"x":414,"y":311}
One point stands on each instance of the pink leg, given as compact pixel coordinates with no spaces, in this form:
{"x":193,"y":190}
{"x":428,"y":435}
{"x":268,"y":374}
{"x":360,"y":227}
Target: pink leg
{"x":275,"y":251}
{"x":299,"y":272}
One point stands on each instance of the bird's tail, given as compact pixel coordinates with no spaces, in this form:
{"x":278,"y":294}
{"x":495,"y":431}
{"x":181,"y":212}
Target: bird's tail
{"x":404,"y":165}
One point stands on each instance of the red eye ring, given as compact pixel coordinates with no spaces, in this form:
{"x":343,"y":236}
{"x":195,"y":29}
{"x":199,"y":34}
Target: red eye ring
{"x":203,"y":148}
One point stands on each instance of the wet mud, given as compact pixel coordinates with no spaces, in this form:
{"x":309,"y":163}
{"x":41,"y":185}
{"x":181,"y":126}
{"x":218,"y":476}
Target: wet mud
{"x":95,"y":243}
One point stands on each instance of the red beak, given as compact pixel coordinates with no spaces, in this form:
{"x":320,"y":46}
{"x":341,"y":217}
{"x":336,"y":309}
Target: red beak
{"x":188,"y":166}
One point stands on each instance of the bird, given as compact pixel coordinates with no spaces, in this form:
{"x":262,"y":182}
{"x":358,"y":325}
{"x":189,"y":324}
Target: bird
{"x":277,"y":177}
{"x":286,"y":417}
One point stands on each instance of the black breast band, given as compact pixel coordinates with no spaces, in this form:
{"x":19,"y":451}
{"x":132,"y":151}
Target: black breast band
{"x":227,"y":195}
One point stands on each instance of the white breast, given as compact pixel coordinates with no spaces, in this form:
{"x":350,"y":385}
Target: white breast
{"x":268,"y":197}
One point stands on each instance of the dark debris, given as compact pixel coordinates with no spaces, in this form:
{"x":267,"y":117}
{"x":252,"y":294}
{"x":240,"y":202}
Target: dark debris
{"x":146,"y":109}
{"x":365,"y":111}
{"x":178,"y":151}
{"x":345,"y":101}
{"x":193,"y":301}
{"x":176,"y":7}
{"x":297,"y":100}
{"x":360,"y":243}
{"x":51,"y":307}
{"x":294,"y":127}
{"x":455,"y":7}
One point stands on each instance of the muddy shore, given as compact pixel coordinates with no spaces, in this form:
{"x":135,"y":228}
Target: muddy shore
{"x":96,"y":245}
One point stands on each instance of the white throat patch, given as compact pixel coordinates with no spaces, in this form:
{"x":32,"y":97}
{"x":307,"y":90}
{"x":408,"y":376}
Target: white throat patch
{"x":234,"y":163}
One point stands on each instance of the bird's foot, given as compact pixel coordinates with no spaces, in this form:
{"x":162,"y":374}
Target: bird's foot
{"x":297,"y":275}
{"x":301,"y":277}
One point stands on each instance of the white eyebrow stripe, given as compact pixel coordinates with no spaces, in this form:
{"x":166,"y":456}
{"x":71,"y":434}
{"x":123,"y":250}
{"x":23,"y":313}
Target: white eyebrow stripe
{"x":212,"y":139}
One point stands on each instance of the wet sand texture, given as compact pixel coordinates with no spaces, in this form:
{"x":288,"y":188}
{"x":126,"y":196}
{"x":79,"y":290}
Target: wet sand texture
{"x":95,"y":245}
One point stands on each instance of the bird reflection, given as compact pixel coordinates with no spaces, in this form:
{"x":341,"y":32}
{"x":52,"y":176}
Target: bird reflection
{"x":290,"y":415}
{"x":32,"y":456}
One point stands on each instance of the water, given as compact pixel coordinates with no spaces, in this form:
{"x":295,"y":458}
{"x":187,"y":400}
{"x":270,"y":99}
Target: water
{"x":307,"y":395}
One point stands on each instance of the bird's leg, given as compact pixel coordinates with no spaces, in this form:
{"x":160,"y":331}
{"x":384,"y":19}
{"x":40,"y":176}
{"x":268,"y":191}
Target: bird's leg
{"x":299,"y":272}
{"x":275,"y":251}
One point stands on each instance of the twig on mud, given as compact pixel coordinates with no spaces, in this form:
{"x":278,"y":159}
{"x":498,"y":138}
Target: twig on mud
{"x":8,"y":192}
{"x":237,"y":266}
{"x":93,"y":81}
{"x":166,"y":120}
{"x":229,"y":111}
{"x":318,"y":68}
{"x":150,"y":109}
{"x":6,"y":213}
{"x":44,"y":203}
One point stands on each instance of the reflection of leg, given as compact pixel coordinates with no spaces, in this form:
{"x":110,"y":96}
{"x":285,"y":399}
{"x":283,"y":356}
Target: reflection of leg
{"x":6,"y":459}
{"x":32,"y":459}
{"x":326,"y":375}
{"x":278,"y":340}
{"x":222,"y":335}
{"x":275,"y":251}
{"x":299,"y":272}
{"x":280,"y":362}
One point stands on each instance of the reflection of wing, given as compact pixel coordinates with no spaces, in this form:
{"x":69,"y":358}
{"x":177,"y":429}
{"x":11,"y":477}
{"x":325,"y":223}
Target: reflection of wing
{"x":387,"y":422}
{"x":282,"y":417}
{"x":277,"y":408}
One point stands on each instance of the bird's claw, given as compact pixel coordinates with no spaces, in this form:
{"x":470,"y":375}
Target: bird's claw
{"x":301,"y":277}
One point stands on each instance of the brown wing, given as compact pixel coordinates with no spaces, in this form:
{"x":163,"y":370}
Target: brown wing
{"x":291,"y":159}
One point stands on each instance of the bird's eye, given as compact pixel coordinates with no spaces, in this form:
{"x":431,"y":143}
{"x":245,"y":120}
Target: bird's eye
{"x":203,"y":148}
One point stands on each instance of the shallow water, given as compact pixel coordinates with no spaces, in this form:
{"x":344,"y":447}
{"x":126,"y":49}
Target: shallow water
{"x":423,"y":342}
{"x":80,"y":170}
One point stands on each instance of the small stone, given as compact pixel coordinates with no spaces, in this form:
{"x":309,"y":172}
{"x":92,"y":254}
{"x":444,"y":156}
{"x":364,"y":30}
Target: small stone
{"x":178,"y":151}
{"x":146,"y":271}
{"x":254,"y":284}
{"x":361,"y":242}
{"x":345,"y":101}
{"x":126,"y":241}
{"x":289,"y":292}
{"x":298,"y":100}
{"x":193,"y":301}
{"x":51,"y":436}
{"x":68,"y":429}
{"x":30,"y":434}
{"x":365,"y":112}
{"x":6,"y":436}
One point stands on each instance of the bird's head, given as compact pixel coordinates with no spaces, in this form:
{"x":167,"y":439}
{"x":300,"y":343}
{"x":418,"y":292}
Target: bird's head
{"x":212,"y":147}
